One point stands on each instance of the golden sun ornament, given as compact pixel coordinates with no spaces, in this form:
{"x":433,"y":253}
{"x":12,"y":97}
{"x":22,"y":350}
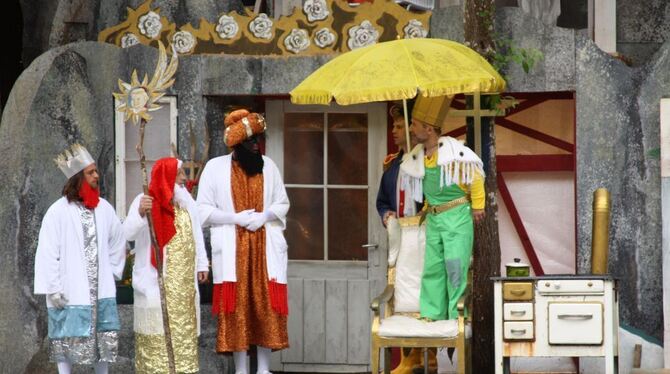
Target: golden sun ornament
{"x":137,"y":98}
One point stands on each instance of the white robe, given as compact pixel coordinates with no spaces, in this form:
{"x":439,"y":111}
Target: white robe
{"x":60,"y":262}
{"x":214,"y":192}
{"x":147,"y":304}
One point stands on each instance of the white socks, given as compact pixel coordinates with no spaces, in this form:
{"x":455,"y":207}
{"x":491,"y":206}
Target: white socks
{"x":240,"y":359}
{"x":64,"y":367}
{"x":262,"y":355}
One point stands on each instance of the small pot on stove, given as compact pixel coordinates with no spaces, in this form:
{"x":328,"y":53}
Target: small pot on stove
{"x":517,"y":269}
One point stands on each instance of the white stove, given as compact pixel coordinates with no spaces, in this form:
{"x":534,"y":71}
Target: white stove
{"x":556,"y":315}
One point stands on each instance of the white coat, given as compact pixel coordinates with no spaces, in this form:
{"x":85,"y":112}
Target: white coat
{"x":60,"y":264}
{"x":145,"y":283}
{"x":214,"y":192}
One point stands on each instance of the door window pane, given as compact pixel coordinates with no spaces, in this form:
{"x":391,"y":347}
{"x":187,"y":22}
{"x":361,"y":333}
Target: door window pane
{"x":156,"y":136}
{"x":303,"y":148}
{"x":304,"y":226}
{"x":347,"y":148}
{"x":347,"y":224}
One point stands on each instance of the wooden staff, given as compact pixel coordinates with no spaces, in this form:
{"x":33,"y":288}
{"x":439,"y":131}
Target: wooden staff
{"x":157,"y":255}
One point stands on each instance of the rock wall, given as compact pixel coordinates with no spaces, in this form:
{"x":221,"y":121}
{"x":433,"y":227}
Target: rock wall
{"x":63,"y":97}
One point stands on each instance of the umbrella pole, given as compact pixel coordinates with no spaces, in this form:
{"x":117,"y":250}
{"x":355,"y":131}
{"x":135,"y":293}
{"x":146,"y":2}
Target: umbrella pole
{"x":404,"y":109}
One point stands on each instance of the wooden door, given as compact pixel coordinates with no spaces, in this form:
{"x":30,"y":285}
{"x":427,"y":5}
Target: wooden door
{"x":331,"y":160}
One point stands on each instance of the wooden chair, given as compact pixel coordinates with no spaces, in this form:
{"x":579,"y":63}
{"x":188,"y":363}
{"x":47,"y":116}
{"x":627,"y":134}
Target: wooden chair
{"x":396,"y":320}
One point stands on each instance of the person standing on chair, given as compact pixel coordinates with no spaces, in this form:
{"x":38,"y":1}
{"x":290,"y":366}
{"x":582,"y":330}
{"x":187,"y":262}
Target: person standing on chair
{"x":242,"y":198}
{"x":451,"y":178}
{"x":80,"y":251}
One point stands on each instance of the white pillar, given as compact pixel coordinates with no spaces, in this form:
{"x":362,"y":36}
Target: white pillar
{"x":604,"y":24}
{"x":665,"y":213}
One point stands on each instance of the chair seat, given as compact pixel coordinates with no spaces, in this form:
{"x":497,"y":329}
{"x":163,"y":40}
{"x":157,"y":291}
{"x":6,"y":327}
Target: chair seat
{"x":399,"y":326}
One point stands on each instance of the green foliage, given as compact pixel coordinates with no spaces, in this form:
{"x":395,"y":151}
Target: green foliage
{"x":507,"y":52}
{"x":654,"y":153}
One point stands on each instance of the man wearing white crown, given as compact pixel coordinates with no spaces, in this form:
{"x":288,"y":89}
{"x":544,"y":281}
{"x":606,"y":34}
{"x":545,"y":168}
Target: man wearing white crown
{"x":451,"y":178}
{"x":81,"y":249}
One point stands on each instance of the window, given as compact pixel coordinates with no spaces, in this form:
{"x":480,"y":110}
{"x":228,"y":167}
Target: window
{"x":325,"y":158}
{"x":160,"y":134}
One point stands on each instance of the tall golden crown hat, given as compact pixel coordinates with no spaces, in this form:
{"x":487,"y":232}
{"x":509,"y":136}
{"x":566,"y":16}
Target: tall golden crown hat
{"x":74,"y":160}
{"x":432,"y":110}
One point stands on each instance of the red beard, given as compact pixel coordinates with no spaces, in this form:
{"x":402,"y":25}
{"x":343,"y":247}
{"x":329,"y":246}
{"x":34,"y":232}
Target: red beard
{"x":90,"y":196}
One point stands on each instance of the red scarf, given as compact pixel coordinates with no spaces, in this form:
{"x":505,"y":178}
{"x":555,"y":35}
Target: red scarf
{"x":161,"y":188}
{"x":90,"y":196}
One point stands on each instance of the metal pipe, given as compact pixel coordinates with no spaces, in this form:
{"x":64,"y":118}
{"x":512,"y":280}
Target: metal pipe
{"x":601,"y":224}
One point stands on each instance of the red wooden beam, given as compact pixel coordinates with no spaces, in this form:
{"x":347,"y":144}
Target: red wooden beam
{"x":535,"y":163}
{"x":547,"y":95}
{"x":518,"y":225}
{"x":455,"y":133}
{"x":545,"y":138}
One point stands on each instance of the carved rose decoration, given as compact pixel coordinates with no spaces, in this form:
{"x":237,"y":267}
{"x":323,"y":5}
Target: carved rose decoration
{"x":324,"y":37}
{"x":183,"y":41}
{"x":261,"y":26}
{"x":150,"y":25}
{"x":414,"y":29}
{"x":129,"y":40}
{"x":362,"y":35}
{"x":297,"y":41}
{"x":227,"y":27}
{"x":316,"y":10}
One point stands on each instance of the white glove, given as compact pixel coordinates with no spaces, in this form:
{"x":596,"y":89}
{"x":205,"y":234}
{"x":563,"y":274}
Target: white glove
{"x":219,"y":217}
{"x":260,"y":219}
{"x":58,"y":300}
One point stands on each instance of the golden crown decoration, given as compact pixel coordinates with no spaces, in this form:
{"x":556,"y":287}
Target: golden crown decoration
{"x":137,"y":98}
{"x":74,"y":160}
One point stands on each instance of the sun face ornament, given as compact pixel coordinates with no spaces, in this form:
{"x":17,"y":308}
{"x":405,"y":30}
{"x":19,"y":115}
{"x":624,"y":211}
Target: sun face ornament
{"x":138,"y":98}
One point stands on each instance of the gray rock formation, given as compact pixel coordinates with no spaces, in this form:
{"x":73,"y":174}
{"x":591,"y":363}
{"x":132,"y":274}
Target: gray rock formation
{"x":556,"y":71}
{"x":617,"y":126}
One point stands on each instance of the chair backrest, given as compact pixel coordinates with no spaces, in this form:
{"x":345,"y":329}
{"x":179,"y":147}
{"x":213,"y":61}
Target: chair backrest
{"x":408,"y":265}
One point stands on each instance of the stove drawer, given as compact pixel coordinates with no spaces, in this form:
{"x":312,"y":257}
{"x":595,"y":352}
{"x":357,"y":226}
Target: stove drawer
{"x":518,"y":291}
{"x":518,"y":311}
{"x":518,"y":331}
{"x":571,"y":287}
{"x":576,"y":323}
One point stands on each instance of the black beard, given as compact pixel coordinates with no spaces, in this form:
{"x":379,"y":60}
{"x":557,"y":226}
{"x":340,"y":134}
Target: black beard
{"x":250,"y":161}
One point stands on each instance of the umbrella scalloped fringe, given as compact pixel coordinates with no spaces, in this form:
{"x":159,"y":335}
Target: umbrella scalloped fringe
{"x":320,"y":97}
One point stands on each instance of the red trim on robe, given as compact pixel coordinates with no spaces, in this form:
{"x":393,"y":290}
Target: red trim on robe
{"x":223,"y":298}
{"x":278,"y":297}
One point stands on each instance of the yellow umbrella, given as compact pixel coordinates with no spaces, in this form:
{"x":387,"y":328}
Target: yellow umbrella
{"x":397,"y":70}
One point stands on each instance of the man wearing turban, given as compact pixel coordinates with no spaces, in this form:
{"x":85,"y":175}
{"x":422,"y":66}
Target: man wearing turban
{"x":242,"y":198}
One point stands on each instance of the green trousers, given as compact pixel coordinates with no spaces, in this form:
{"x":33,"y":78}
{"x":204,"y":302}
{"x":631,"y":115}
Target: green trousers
{"x":449,"y":238}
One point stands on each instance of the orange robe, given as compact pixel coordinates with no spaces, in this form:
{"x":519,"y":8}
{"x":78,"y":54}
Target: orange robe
{"x":253,"y":321}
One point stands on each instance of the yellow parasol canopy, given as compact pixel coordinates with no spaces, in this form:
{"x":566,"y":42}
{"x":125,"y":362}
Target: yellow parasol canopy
{"x":397,"y":70}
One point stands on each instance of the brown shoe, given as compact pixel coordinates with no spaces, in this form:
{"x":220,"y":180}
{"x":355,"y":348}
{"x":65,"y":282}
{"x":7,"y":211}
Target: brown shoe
{"x":408,"y":362}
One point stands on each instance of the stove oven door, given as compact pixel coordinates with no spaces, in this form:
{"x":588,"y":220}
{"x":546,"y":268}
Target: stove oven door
{"x":575,"y":323}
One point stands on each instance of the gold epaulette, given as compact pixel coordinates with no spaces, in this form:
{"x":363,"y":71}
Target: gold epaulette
{"x":388,"y":160}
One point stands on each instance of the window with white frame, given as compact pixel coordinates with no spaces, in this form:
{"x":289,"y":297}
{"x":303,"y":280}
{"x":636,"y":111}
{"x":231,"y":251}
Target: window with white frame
{"x":159,"y":135}
{"x":330,"y":159}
